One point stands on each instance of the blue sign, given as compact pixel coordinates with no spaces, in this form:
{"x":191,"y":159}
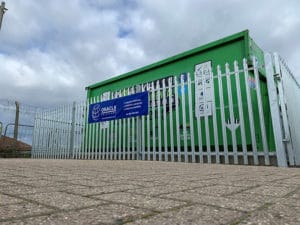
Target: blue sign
{"x":119,"y":108}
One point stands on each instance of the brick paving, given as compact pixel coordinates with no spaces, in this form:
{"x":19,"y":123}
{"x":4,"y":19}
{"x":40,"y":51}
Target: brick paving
{"x":145,"y":192}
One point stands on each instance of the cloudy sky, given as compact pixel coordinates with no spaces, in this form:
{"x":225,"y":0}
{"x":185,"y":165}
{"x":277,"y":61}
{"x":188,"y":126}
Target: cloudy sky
{"x":51,"y":50}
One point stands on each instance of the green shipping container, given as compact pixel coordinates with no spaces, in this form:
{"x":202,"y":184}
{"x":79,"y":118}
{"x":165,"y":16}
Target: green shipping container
{"x":227,"y":50}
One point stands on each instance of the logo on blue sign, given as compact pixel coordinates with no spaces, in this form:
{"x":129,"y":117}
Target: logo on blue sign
{"x":96,"y":112}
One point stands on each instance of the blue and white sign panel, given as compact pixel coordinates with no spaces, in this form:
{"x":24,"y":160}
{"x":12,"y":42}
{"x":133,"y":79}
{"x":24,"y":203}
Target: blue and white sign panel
{"x":119,"y":108}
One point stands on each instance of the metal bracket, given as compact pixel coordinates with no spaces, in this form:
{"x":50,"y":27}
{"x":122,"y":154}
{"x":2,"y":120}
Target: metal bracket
{"x":277,"y":76}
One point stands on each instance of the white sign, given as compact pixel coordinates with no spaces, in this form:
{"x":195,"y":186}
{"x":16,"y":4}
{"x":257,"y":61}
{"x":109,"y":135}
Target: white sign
{"x":203,"y":89}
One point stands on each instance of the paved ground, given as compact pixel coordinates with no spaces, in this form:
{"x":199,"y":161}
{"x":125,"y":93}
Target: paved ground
{"x":136,"y":192}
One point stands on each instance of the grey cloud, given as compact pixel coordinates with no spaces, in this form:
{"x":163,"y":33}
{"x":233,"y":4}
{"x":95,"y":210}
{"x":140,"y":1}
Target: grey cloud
{"x":51,"y":50}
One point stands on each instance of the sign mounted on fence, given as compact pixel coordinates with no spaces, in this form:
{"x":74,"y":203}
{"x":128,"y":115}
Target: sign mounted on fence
{"x":203,"y":89}
{"x":119,"y":108}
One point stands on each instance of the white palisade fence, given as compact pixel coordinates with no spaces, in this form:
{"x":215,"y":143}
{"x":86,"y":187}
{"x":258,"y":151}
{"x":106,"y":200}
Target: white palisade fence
{"x":216,"y":115}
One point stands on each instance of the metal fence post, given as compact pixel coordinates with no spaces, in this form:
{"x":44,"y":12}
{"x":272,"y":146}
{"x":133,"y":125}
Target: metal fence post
{"x":274,"y":108}
{"x":16,"y":128}
{"x":139,"y":130}
{"x":2,"y":11}
{"x":71,"y":146}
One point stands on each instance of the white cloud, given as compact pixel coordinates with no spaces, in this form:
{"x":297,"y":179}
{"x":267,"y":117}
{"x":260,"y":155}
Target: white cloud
{"x":52,"y":49}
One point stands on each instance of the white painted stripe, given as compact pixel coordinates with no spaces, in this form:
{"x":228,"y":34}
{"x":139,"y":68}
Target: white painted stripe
{"x":214,"y":114}
{"x":182,"y":87}
{"x":261,"y":112}
{"x":170,"y":87}
{"x":206,"y":122}
{"x":241,"y":113}
{"x":232,"y":122}
{"x":153,"y":123}
{"x":165,"y":120}
{"x":177,"y":120}
{"x":191,"y":119}
{"x":159,"y":121}
{"x":148,"y":123}
{"x":224,"y":131}
{"x":250,"y":112}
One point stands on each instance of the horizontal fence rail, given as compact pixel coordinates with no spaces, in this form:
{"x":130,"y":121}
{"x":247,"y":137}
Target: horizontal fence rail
{"x":216,"y":115}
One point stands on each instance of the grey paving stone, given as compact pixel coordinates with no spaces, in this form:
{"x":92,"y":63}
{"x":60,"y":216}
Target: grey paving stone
{"x":240,"y":183}
{"x":4,"y":183}
{"x":292,"y":200}
{"x":275,"y":214}
{"x":62,"y":200}
{"x":39,"y":183}
{"x":88,"y":191}
{"x":143,"y":183}
{"x":273,"y":190}
{"x":198,"y":183}
{"x":219,"y":190}
{"x":290,"y":182}
{"x":266,"y":179}
{"x":68,"y":176}
{"x":142,"y":201}
{"x":296,"y":194}
{"x":21,"y":190}
{"x":17,"y":179}
{"x":103,"y":214}
{"x":131,"y":181}
{"x":5,"y":200}
{"x":147,"y":192}
{"x":90,"y":182}
{"x":158,"y":190}
{"x":11,"y":211}
{"x":196,"y":197}
{"x":246,"y":196}
{"x":197,"y":214}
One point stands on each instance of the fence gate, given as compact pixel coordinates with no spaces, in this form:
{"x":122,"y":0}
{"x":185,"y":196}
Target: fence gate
{"x":229,"y":114}
{"x":284,"y":94}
